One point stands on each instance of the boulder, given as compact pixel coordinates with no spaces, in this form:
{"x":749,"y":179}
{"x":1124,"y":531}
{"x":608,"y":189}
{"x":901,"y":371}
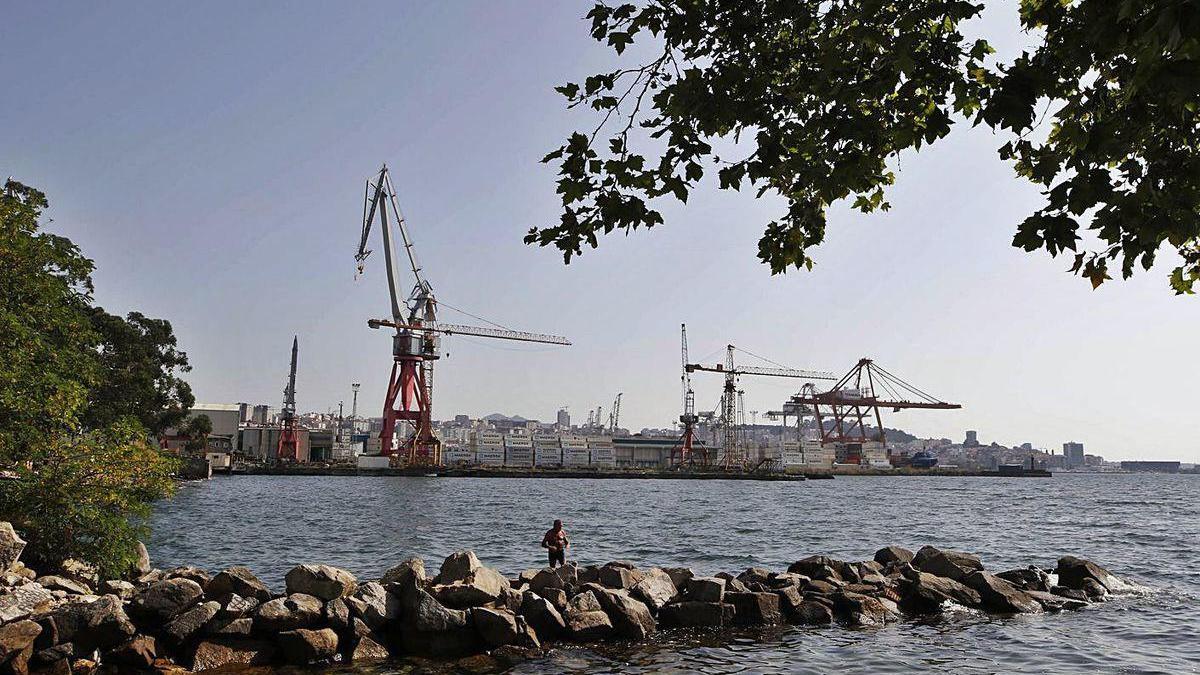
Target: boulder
{"x":1072,"y":572}
{"x":188,"y":572}
{"x":1027,"y":579}
{"x":630,"y":618}
{"x":101,"y":624}
{"x":428,"y":627}
{"x":142,"y":565}
{"x":655,"y":589}
{"x":457,"y":566}
{"x":69,"y":586}
{"x":1055,"y":603}
{"x":320,"y":581}
{"x":585,"y":601}
{"x":613,"y":575}
{"x":189,"y":622}
{"x":694,"y":614}
{"x":820,"y":586}
{"x":21,"y":602}
{"x":367,"y":649}
{"x":500,"y":627}
{"x":755,"y":609}
{"x":859,"y":611}
{"x":161,"y":601}
{"x":230,"y":627}
{"x":374,"y":604}
{"x":79,"y":572}
{"x":893,"y":554}
{"x":545,"y":578}
{"x":556,"y":596}
{"x":705,"y":589}
{"x":1094,"y":589}
{"x":480,"y":586}
{"x":234,"y":606}
{"x":924,"y":593}
{"x":337,"y":615}
{"x":117,"y":587}
{"x":812,"y":613}
{"x":732,"y":584}
{"x":11,"y":546}
{"x":949,"y":564}
{"x":297,"y":610}
{"x":823,"y":567}
{"x":216,"y":653}
{"x":789,"y":601}
{"x":1069,"y":593}
{"x":137,"y":654}
{"x":239,"y":580}
{"x":412,"y":569}
{"x":679,"y":575}
{"x":588,"y":626}
{"x":17,"y":637}
{"x":998,"y":595}
{"x":304,"y":646}
{"x":542,"y":616}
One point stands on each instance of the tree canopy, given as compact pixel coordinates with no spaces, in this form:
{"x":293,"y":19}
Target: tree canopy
{"x":820,"y":96}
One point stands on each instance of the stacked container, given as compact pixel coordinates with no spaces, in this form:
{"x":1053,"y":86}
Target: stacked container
{"x":575,"y":451}
{"x":602,"y":453}
{"x":518,"y":450}
{"x":547,"y":451}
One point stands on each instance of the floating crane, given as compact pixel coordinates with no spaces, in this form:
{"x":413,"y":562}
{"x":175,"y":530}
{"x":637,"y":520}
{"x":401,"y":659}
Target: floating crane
{"x":856,"y":397}
{"x":733,"y":452}
{"x":681,"y":454}
{"x":415,"y":345}
{"x":288,"y":449}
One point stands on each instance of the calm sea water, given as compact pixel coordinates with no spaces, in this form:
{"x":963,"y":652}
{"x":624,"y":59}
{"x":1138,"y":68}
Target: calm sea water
{"x":1144,"y":528}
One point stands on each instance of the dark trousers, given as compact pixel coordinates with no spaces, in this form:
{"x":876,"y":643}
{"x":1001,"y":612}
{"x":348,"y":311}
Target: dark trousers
{"x":557,"y":557}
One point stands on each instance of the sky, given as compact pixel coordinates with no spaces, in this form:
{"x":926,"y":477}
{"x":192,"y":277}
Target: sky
{"x":211,"y":158}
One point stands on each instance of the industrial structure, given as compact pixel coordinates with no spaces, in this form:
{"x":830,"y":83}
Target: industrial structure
{"x":683,"y":454}
{"x":415,"y":345}
{"x":288,"y":449}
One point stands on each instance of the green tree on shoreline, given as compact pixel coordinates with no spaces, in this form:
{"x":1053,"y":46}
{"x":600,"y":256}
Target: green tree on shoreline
{"x":823,"y":95}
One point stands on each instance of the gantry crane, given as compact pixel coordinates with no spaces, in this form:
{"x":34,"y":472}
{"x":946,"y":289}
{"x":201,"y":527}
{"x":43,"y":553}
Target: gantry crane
{"x":733,"y":452}
{"x":854,"y":398}
{"x":415,"y":345}
{"x":681,"y":454}
{"x":288,"y":448}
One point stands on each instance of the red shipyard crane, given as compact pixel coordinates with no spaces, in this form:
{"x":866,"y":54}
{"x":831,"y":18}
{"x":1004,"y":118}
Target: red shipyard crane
{"x":733,"y":451}
{"x":288,"y":449}
{"x":415,"y":345}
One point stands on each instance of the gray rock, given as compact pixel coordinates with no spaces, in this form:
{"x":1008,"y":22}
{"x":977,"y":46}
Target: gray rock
{"x":755,"y":609}
{"x":234,"y":606}
{"x":219,"y":652}
{"x":925,"y":593}
{"x":859,"y":611}
{"x":161,"y":601}
{"x":457,"y":566}
{"x":679,"y":575}
{"x":304,"y":646}
{"x":893,"y":554}
{"x":58,"y":583}
{"x":588,"y":626}
{"x":1055,"y":603}
{"x":337,"y":615}
{"x":1072,"y":572}
{"x":1069,"y":593}
{"x":374,"y":604}
{"x":1094,"y":589}
{"x":320,"y":581}
{"x":631,"y":618}
{"x":954,"y":565}
{"x":812,"y":613}
{"x":22,"y":602}
{"x":542,"y":616}
{"x":117,"y":587}
{"x":297,"y":610}
{"x":655,"y":589}
{"x":789,"y":601}
{"x":705,"y":589}
{"x":1027,"y":579}
{"x":411,"y":570}
{"x":142,"y":565}
{"x":238,"y":580}
{"x":998,"y":595}
{"x":428,"y":627}
{"x":694,"y":614}
{"x":101,"y":624}
{"x":824,"y":567}
{"x":820,"y":586}
{"x":11,"y":546}
{"x":755,"y":575}
{"x":230,"y":626}
{"x":614,"y":576}
{"x":188,"y":572}
{"x":79,"y":572}
{"x":556,"y":596}
{"x":500,"y":627}
{"x":585,"y":601}
{"x":480,"y":586}
{"x":188,"y":623}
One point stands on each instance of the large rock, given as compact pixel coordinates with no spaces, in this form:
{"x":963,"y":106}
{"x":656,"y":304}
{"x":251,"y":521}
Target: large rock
{"x":428,"y":627}
{"x":1027,"y":579}
{"x":755,"y":609}
{"x":1056,"y":603}
{"x":631,"y":618}
{"x":542,"y":616}
{"x":216,"y":653}
{"x":320,"y":581}
{"x":11,"y":546}
{"x":79,"y":572}
{"x":117,"y":587}
{"x":954,"y":565}
{"x":1073,"y":572}
{"x":705,"y":589}
{"x":893,"y":554}
{"x":457,"y":566}
{"x":618,"y":576}
{"x":160,"y":602}
{"x":239,"y":580}
{"x":410,"y":570}
{"x":303,"y":646}
{"x":694,"y":614}
{"x":655,"y":589}
{"x":196,"y":574}
{"x":69,"y":586}
{"x":588,"y":626}
{"x":859,"y":611}
{"x":925,"y":593}
{"x":480,"y":586}
{"x":17,"y":637}
{"x":142,"y":565}
{"x":297,"y":610}
{"x":230,"y":627}
{"x":789,"y":601}
{"x":825,"y":568}
{"x":234,"y":606}
{"x":998,"y":595}
{"x":188,"y":623}
{"x":22,"y":602}
{"x":367,"y":649}
{"x":137,"y":654}
{"x":374,"y":604}
{"x":500,"y":627}
{"x":679,"y":575}
{"x":812,"y":613}
{"x":101,"y":624}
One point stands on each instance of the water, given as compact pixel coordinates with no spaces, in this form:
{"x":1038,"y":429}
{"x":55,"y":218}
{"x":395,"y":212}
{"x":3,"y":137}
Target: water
{"x":1144,"y":528}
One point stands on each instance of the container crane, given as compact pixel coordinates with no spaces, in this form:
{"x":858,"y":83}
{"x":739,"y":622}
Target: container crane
{"x":415,"y":344}
{"x":729,"y":398}
{"x":288,"y":448}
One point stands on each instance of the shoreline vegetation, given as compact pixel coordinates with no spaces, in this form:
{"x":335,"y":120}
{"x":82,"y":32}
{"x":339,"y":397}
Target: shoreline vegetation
{"x":186,"y":619}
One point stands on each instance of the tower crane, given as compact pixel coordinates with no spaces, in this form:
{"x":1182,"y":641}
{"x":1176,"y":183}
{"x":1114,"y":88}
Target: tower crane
{"x":729,"y":398}
{"x":288,"y":449}
{"x":415,"y":344}
{"x":681,"y":454}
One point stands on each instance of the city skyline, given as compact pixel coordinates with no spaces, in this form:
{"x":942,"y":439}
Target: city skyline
{"x":247,"y":158}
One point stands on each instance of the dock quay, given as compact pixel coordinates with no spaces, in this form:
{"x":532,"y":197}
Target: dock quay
{"x":501,"y":472}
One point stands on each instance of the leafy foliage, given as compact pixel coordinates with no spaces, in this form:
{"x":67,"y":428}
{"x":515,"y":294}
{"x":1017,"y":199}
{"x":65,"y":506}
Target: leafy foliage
{"x":197,"y":430}
{"x":87,"y":496}
{"x":831,"y":91}
{"x":139,"y":363}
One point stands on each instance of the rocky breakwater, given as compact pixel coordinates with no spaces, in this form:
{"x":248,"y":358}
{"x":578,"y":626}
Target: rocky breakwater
{"x":185,"y":619}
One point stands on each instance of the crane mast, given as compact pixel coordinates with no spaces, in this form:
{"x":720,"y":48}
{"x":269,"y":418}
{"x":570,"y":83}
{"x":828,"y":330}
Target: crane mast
{"x":288,"y":447}
{"x":682,"y":452}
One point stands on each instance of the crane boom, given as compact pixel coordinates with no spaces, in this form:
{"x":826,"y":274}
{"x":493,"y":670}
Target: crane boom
{"x":478,"y":331}
{"x":772,"y":372}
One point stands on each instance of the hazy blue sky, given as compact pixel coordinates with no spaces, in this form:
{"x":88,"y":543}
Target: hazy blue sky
{"x":210,"y":157}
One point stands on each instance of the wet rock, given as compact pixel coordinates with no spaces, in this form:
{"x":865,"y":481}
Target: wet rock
{"x":24,"y":601}
{"x":320,"y":581}
{"x":755,"y":609}
{"x":820,"y":586}
{"x":1069,"y":593}
{"x":812,"y":613}
{"x":189,"y":622}
{"x":161,"y":601}
{"x":297,"y":610}
{"x":304,"y":646}
{"x":102,"y":624}
{"x":1027,"y":579}
{"x":860,"y":611}
{"x":732,"y":585}
{"x":11,"y":546}
{"x":117,"y":587}
{"x":238,"y":580}
{"x":655,"y":589}
{"x":998,"y":595}
{"x":1055,"y":603}
{"x":1094,"y":589}
{"x":70,"y":586}
{"x":137,"y":654}
{"x":212,"y":654}
{"x":542,"y":616}
{"x":588,"y":626}
{"x":705,"y":589}
{"x":500,"y":627}
{"x":943,"y":563}
{"x":755,"y":575}
{"x":789,"y":601}
{"x":631,"y":618}
{"x":925,"y":593}
{"x":1072,"y":573}
{"x":411,"y":570}
{"x":694,"y":614}
{"x":824,"y":568}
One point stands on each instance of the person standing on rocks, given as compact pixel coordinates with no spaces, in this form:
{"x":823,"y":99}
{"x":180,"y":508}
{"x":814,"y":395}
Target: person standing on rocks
{"x":556,"y":544}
